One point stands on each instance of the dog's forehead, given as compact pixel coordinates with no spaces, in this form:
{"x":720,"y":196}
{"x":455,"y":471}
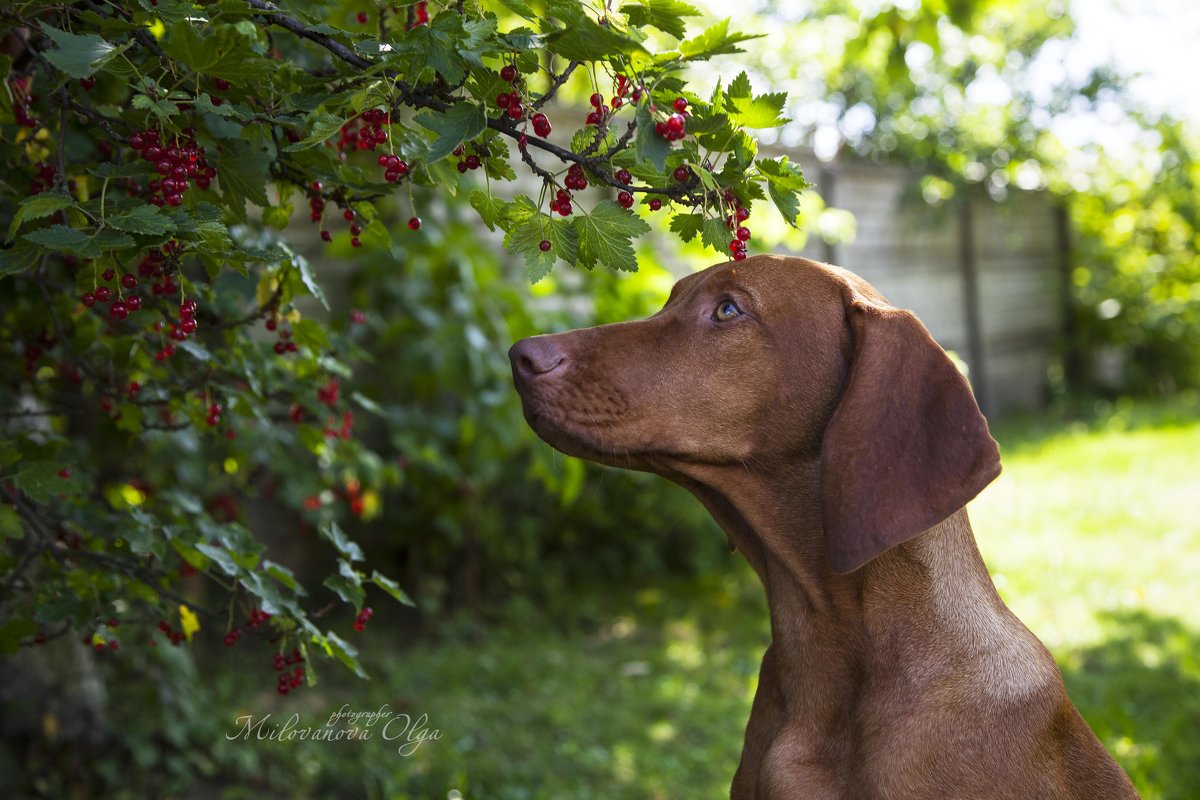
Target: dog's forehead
{"x":767,"y":278}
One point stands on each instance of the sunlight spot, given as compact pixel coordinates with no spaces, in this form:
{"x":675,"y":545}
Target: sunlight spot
{"x":662,"y":731}
{"x":624,"y":765}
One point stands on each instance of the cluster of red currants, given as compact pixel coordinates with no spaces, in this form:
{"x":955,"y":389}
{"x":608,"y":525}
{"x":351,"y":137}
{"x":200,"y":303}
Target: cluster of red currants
{"x":360,"y":622}
{"x":285,"y":344}
{"x":289,"y":680}
{"x":364,"y":132}
{"x":175,"y":162}
{"x":468,"y":161}
{"x":118,"y":308}
{"x":214,"y":414}
{"x":741,"y":234}
{"x":44,"y":179}
{"x":510,"y":102}
{"x":255,"y":620}
{"x":394,"y":167}
{"x":173,"y":635}
{"x":674,"y":127}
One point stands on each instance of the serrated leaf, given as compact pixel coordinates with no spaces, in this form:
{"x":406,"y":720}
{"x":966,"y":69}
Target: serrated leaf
{"x":38,"y":206}
{"x":715,"y":234}
{"x":687,"y":226}
{"x":490,"y":208}
{"x":648,"y":145}
{"x":242,"y":172}
{"x":346,"y":546}
{"x":785,"y":181}
{"x":19,"y":258}
{"x":714,"y":41}
{"x":65,"y":239}
{"x":347,"y":584}
{"x":583,"y":39}
{"x":605,"y":237}
{"x":323,"y":127}
{"x":283,"y":575}
{"x":147,"y":220}
{"x":763,"y":111}
{"x":460,"y":123}
{"x":392,"y":588}
{"x":163,"y":109}
{"x":79,"y":56}
{"x":666,"y":15}
{"x":740,"y":86}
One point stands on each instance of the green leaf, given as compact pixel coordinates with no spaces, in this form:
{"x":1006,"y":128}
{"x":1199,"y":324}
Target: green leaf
{"x":309,"y":280}
{"x":19,"y":258}
{"x":785,"y":181}
{"x":489,"y":207}
{"x":12,"y":632}
{"x":221,"y":557}
{"x":10,"y":523}
{"x":80,"y":56}
{"x":146,"y":219}
{"x":605,"y":236}
{"x":460,"y":123}
{"x":347,"y":583}
{"x":346,"y":546}
{"x":648,"y":145}
{"x":242,"y":171}
{"x":666,"y":15}
{"x":337,"y":647}
{"x":72,"y":240}
{"x":687,"y":225}
{"x":583,"y":38}
{"x":392,"y":588}
{"x":763,"y":111}
{"x":323,"y":127}
{"x":521,"y":8}
{"x":283,"y":575}
{"x":38,"y":206}
{"x":715,"y":234}
{"x":42,"y":482}
{"x":715,"y":41}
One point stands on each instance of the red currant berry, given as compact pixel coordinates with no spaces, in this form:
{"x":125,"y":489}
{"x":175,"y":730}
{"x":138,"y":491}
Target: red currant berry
{"x":128,"y":281}
{"x":680,"y":104}
{"x":414,"y":223}
{"x":675,"y":123}
{"x":742,"y":214}
{"x":188,"y":325}
{"x":623,"y":176}
{"x":740,"y":255}
{"x":87,"y":83}
{"x":655,"y":204}
{"x":133,"y":302}
{"x":326,"y":236}
{"x":348,"y":215}
{"x":597,"y":100}
{"x":88,"y":299}
{"x":594,"y":118}
{"x":118,"y":310}
{"x":509,"y":73}
{"x":544,"y":245}
{"x":743,"y":233}
{"x":361,"y":17}
{"x":515,"y":110}
{"x":503,"y":99}
{"x":355,"y":241}
{"x":188,"y":308}
{"x":108,"y":274}
{"x":625,"y":199}
{"x":682,"y":173}
{"x":104,"y":294}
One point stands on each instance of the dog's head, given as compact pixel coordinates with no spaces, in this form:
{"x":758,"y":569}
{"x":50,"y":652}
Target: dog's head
{"x":762,"y":363}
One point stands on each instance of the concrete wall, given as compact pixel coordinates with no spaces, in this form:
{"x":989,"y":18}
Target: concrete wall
{"x":986,"y":280}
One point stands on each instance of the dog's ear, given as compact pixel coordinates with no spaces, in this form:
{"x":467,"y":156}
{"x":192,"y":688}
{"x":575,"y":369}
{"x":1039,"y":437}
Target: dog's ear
{"x":907,"y":445}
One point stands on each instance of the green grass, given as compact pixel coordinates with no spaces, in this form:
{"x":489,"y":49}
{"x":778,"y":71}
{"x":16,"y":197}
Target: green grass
{"x":1093,"y":536}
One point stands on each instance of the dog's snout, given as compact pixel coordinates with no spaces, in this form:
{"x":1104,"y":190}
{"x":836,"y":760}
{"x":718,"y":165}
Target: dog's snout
{"x":535,"y":356}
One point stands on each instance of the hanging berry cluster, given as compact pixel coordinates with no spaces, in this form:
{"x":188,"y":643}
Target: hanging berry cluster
{"x":287,"y":681}
{"x":364,"y":132}
{"x":176,"y":161}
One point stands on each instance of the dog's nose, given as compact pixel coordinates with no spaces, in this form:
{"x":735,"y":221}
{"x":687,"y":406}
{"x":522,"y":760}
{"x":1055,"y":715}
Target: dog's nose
{"x":535,"y":356}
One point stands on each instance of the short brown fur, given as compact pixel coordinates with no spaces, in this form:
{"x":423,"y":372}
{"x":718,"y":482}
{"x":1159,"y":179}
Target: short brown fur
{"x":836,"y":444}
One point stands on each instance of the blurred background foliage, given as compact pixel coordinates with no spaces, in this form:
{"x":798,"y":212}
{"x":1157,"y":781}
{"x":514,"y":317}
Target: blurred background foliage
{"x":583,"y":633}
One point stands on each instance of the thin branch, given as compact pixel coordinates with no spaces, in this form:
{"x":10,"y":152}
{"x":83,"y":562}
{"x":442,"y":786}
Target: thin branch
{"x":559,"y":80}
{"x":273,"y":15}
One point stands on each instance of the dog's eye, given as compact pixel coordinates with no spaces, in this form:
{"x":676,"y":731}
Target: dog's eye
{"x":726,"y":311}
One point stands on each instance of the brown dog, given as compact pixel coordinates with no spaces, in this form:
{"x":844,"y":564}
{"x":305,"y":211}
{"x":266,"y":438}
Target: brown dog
{"x":836,"y":444}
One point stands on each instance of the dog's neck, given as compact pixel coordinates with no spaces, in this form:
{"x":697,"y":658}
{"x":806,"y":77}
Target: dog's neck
{"x":913,"y":610}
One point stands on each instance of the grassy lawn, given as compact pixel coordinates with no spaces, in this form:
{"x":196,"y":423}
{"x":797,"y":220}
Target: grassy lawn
{"x":1093,"y":536}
